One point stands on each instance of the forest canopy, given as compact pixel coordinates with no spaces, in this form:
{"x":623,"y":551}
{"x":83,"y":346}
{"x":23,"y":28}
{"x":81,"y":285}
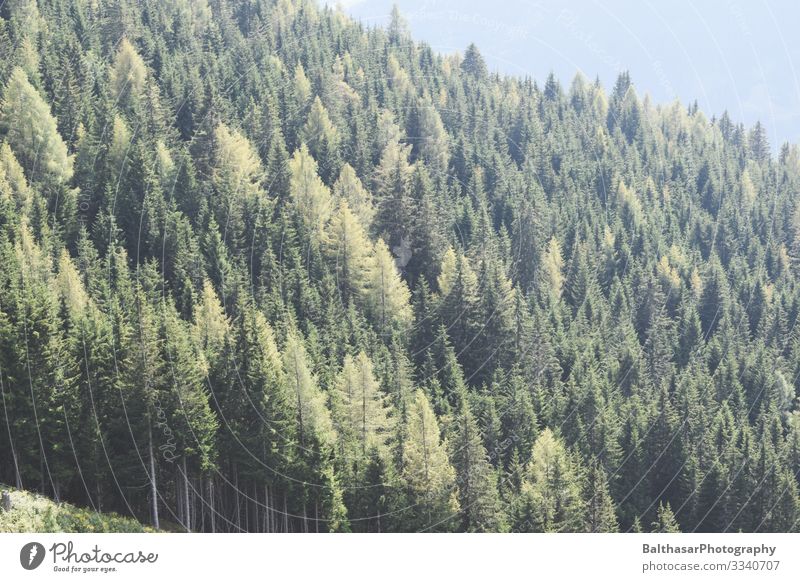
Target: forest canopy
{"x":267,"y":269}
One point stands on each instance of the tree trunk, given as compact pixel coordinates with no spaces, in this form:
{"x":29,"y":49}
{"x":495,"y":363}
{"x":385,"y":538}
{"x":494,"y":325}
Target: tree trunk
{"x":188,"y":515}
{"x":153,"y":485}
{"x":211,"y":510}
{"x":179,"y":500}
{"x":256,"y":524}
{"x":285,"y":514}
{"x":238,"y":521}
{"x":268,"y":510}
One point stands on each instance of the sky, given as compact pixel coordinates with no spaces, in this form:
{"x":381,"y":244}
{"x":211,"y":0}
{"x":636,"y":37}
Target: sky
{"x":742,"y":56}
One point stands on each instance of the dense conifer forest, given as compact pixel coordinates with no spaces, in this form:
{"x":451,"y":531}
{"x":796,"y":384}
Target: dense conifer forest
{"x":266,"y":269}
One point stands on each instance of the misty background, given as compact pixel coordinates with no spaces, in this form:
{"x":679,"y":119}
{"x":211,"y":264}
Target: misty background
{"x":726,"y":55}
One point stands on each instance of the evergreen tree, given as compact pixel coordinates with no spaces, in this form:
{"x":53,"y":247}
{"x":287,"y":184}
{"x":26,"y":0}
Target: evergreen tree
{"x":477,"y":482}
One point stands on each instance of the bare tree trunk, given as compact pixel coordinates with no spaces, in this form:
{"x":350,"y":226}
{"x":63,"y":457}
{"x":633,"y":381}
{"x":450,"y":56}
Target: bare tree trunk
{"x":187,"y":516}
{"x":236,"y":497}
{"x":17,"y":476}
{"x":256,"y":522}
{"x":178,"y":500}
{"x":285,"y":513}
{"x":153,"y":485}
{"x":211,"y":510}
{"x":202,"y":504}
{"x":267,"y":510}
{"x":248,"y":509}
{"x":193,"y":506}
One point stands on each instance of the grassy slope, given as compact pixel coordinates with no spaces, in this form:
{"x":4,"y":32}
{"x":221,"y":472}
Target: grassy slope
{"x":33,"y":513}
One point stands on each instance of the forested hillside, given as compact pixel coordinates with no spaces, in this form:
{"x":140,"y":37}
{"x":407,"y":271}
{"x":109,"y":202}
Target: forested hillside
{"x":265,"y":269}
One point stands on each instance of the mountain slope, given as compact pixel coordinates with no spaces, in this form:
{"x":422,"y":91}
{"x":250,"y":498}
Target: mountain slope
{"x":265,"y":269}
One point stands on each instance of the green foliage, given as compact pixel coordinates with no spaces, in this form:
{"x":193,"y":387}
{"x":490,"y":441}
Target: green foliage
{"x":550,"y":497}
{"x":429,"y":476}
{"x":31,"y":131}
{"x":264,"y":269}
{"x":32,"y":513}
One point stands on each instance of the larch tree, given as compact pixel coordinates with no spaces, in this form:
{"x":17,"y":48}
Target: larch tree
{"x":349,"y":251}
{"x":359,"y":199}
{"x":311,"y":414}
{"x":552,"y":268}
{"x":429,"y":476}
{"x":388,"y":298}
{"x":128,"y":74}
{"x":310,"y":196}
{"x":14,"y":188}
{"x":316,"y":440}
{"x":550,"y":499}
{"x":429,"y":138}
{"x":322,"y":139}
{"x":237,"y":176}
{"x":31,"y":131}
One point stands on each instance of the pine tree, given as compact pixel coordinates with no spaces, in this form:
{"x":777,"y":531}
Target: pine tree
{"x":473,"y":63}
{"x":600,"y":511}
{"x":665,"y":520}
{"x":476,"y":479}
{"x":713,"y":301}
{"x":395,"y":208}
